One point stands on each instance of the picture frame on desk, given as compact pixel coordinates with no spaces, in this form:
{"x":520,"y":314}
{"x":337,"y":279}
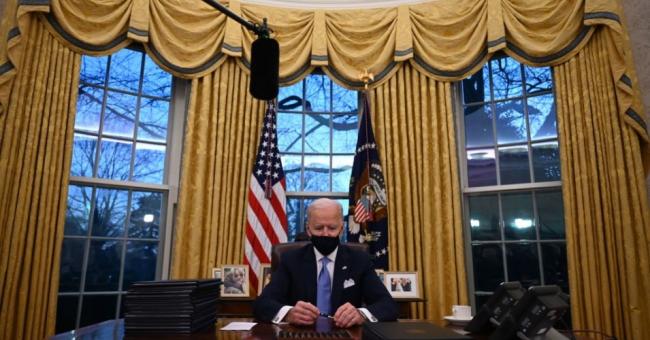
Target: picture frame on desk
{"x":403,"y":285}
{"x":235,"y":281}
{"x":264,"y":277}
{"x":216,"y":273}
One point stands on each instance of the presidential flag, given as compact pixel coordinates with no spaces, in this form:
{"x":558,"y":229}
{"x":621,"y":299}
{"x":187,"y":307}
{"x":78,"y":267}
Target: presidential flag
{"x":266,"y":217}
{"x":368,"y":213}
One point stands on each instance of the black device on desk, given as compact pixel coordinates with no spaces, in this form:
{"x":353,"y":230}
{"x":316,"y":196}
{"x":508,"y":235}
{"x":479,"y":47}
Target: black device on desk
{"x":490,"y":315}
{"x":408,"y":331}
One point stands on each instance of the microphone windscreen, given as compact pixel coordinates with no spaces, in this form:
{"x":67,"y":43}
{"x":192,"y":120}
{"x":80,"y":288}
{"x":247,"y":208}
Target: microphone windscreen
{"x":265,"y":63}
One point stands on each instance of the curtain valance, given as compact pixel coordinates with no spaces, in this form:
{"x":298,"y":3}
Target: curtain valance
{"x":445,"y":39}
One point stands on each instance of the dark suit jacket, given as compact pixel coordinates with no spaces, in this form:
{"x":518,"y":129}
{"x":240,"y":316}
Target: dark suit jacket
{"x":295,"y":280}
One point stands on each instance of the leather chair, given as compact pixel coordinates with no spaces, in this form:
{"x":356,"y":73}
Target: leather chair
{"x":278,"y":249}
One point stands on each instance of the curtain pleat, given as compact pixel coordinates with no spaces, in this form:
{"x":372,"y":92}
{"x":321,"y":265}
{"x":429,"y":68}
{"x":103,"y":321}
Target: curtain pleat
{"x":35,"y":150}
{"x":415,"y":133}
{"x":220,"y":143}
{"x":606,"y":205}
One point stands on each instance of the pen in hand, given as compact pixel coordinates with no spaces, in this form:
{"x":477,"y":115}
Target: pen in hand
{"x":326,"y":315}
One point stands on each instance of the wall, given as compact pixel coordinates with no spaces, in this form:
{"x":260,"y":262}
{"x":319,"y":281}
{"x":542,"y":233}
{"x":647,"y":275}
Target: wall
{"x":637,"y":13}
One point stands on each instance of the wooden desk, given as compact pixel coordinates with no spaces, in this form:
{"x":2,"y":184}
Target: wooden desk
{"x":242,"y":307}
{"x":114,"y":329}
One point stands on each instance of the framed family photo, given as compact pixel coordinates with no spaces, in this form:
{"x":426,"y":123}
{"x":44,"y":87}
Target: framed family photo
{"x":264,"y":277}
{"x":235,"y":280}
{"x":402,"y":284}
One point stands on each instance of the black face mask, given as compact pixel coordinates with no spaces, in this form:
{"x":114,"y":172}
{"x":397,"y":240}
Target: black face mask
{"x":325,"y":244}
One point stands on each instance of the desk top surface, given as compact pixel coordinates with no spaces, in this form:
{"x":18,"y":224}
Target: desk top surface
{"x":114,"y":329}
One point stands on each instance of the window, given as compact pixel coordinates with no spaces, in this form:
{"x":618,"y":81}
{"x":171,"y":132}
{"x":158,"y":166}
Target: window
{"x":119,"y":192}
{"x":317,"y":136}
{"x":513,"y":212}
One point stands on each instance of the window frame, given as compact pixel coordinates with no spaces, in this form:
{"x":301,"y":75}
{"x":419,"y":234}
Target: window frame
{"x":169,"y":188}
{"x":499,"y":189}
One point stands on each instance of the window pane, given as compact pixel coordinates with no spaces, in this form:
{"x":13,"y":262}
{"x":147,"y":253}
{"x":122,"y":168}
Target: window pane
{"x":93,"y":70}
{"x":114,"y":160}
{"x":289,"y":127}
{"x":538,"y":79}
{"x":292,"y":165}
{"x":72,"y":253}
{"x":555,"y":265}
{"x":345,"y":208}
{"x":506,"y":75}
{"x":513,"y":162}
{"x":484,"y":217}
{"x":120,"y":114}
{"x":341,"y":172}
{"x":78,"y":210}
{"x":149,"y":163}
{"x":345,"y":132}
{"x":97,"y":308}
{"x":546,"y":161}
{"x":110,"y":212}
{"x":481,"y":168}
{"x":154,"y":115}
{"x":103,"y":266}
{"x":550,"y":210}
{"x":511,"y":125}
{"x":541,"y":114}
{"x":83,"y":155}
{"x":156,"y":82}
{"x":523,"y":264}
{"x":290,"y":97}
{"x":518,"y":216}
{"x":293,"y":217}
{"x":476,"y":88}
{"x":89,"y":108}
{"x":140,"y":262}
{"x":488,"y":267}
{"x":317,"y":169}
{"x":317,"y":133}
{"x":344,"y":100}
{"x":125,"y":70}
{"x":478,"y":126}
{"x":144,"y":221}
{"x":317,"y":93}
{"x":66,"y":313}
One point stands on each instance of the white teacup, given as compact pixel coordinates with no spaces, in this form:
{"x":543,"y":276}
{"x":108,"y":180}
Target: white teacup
{"x":461,"y":311}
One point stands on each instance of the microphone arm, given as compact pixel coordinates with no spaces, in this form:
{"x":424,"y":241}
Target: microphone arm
{"x":261,"y":30}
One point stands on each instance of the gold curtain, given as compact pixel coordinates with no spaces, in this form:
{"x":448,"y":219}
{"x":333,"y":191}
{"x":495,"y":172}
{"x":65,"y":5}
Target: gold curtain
{"x":414,"y":125}
{"x":606,"y":206}
{"x":35,"y":150}
{"x":221,"y":136}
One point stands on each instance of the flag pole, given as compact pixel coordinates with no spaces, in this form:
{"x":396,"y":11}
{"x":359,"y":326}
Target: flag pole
{"x":367,"y":77}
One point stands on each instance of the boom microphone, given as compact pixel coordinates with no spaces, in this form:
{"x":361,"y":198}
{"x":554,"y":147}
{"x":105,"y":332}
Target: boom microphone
{"x":265,"y":62}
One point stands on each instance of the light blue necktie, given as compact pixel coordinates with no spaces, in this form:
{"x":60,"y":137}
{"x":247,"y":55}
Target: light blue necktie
{"x":324,"y":288}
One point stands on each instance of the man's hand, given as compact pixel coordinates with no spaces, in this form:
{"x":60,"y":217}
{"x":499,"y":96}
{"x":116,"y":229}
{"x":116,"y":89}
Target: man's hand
{"x":303,"y":313}
{"x":347,"y":315}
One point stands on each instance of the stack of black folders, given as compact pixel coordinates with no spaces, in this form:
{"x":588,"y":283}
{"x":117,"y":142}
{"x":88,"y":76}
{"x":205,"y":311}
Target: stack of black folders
{"x":173,"y":306}
{"x":415,"y":330}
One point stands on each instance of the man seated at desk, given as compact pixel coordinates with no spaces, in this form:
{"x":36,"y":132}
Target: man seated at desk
{"x":301,"y":290}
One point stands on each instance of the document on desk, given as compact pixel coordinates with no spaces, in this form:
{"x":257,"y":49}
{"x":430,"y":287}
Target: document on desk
{"x":238,"y":326}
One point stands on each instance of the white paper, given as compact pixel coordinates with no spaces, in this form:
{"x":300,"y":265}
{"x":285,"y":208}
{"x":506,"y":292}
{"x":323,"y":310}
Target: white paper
{"x":238,"y":326}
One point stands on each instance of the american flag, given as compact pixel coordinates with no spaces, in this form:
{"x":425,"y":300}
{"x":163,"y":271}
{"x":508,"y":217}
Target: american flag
{"x":266,"y":217}
{"x":363,"y":210}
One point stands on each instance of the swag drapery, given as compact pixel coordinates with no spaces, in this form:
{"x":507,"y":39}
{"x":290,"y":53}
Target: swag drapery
{"x":415,"y":51}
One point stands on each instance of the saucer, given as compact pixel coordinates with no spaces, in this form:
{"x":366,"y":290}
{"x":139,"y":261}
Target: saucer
{"x":459,"y":321}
